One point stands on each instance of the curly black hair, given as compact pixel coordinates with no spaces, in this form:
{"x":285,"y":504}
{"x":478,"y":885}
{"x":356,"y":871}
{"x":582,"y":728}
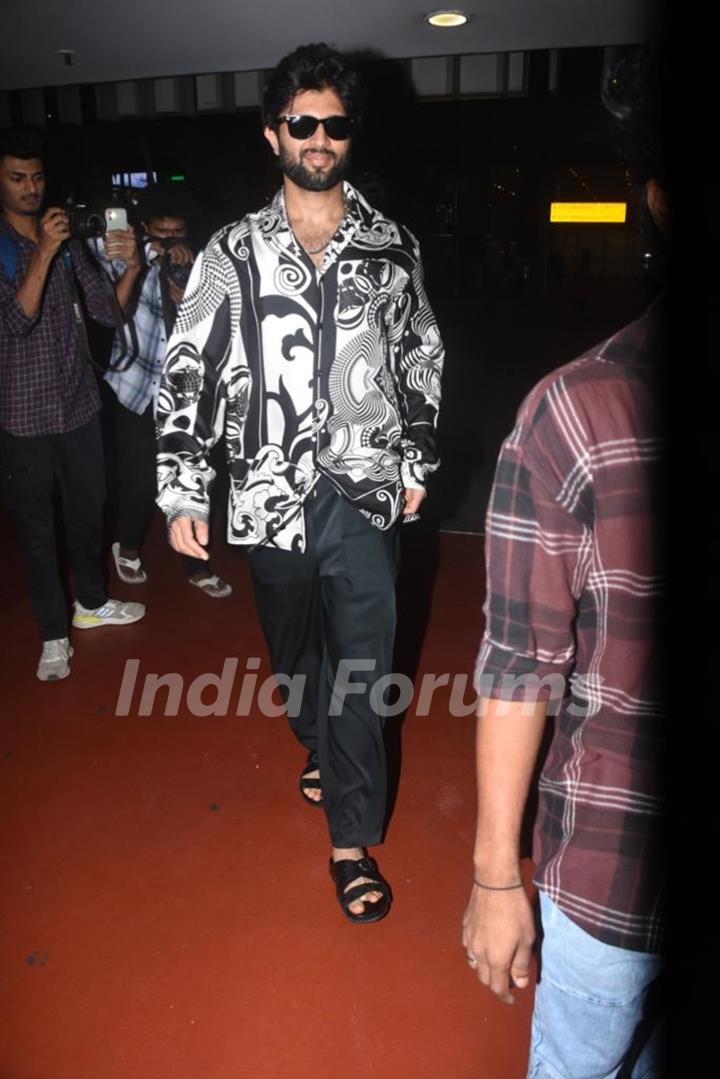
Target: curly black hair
{"x":311,"y":67}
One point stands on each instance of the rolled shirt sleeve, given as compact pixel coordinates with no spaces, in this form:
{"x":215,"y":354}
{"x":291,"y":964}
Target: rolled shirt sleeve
{"x":14,"y":320}
{"x":538,"y":550}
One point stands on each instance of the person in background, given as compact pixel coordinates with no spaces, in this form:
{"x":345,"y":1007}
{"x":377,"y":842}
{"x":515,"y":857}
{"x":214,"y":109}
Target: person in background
{"x":50,"y":438}
{"x":151,"y":282}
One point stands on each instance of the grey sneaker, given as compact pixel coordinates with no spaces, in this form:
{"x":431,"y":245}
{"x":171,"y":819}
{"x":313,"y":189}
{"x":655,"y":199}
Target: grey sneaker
{"x":112,"y":613}
{"x":55,"y":660}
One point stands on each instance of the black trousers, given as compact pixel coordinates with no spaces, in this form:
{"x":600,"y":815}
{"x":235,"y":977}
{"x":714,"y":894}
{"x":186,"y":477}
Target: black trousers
{"x":335,"y":602}
{"x":34,"y":469}
{"x":137,"y":479}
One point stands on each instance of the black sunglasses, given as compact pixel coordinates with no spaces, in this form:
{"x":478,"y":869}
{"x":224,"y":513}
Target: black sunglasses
{"x":337,"y":128}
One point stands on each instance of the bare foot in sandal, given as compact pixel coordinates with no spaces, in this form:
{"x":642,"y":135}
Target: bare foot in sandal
{"x":368,"y":906}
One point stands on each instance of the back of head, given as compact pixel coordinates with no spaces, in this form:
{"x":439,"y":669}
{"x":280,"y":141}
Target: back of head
{"x":311,"y":67}
{"x":633,"y":91}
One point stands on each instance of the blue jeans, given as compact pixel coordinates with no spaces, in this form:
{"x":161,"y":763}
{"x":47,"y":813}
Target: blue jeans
{"x":588,"y":1004}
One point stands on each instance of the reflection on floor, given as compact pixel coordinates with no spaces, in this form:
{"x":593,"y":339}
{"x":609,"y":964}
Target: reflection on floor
{"x":166,"y":906}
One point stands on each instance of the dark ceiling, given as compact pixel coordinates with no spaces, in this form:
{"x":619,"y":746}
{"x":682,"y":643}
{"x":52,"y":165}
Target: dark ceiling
{"x":150,"y":38}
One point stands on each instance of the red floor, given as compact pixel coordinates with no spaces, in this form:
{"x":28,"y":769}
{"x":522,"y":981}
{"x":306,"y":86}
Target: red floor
{"x":166,"y":907}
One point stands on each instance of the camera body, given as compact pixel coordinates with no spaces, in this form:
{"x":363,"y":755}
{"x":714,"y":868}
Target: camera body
{"x":88,"y":220}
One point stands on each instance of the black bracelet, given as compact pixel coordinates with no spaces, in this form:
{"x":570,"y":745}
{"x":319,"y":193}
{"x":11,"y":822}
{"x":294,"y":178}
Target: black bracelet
{"x":495,"y":888}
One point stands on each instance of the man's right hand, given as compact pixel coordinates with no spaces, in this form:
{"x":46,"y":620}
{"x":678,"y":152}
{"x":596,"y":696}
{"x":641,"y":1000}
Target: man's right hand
{"x":189,"y":536}
{"x":498,"y":935}
{"x":54,"y":228}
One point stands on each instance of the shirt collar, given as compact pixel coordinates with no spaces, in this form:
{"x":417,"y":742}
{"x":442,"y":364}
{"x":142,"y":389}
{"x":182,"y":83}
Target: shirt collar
{"x":359,"y":215}
{"x":638,"y":343}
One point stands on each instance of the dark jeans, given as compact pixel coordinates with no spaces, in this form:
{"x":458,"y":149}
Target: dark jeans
{"x":34,"y":468}
{"x":335,"y":601}
{"x":137,"y":480}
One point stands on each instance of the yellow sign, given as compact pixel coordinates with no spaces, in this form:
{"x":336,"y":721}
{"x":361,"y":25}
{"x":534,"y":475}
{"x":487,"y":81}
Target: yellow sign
{"x":588,"y":213}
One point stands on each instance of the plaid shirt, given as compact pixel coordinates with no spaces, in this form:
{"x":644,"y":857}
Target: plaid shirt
{"x":573,"y":592}
{"x":46,"y":384}
{"x":138,"y":385}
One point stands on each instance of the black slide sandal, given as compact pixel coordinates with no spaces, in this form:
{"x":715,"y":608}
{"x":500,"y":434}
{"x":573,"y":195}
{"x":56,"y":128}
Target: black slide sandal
{"x":311,"y":765}
{"x":345,"y":872}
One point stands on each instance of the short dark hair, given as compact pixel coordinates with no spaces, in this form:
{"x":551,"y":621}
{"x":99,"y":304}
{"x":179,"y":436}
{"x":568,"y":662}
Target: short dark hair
{"x":312,"y":67}
{"x":22,"y":143}
{"x":166,"y":199}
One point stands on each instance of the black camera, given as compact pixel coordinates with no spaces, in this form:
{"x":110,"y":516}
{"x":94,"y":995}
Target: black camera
{"x":177,"y":272}
{"x":88,"y":220}
{"x":85,"y":222}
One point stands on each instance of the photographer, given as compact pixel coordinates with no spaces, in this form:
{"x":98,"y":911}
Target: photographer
{"x":49,"y":402}
{"x":149,"y":287}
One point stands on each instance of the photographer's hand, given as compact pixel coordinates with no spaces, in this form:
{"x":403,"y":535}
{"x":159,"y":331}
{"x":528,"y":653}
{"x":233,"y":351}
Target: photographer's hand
{"x":189,"y":536}
{"x":52,"y":229}
{"x":121,"y":244}
{"x":176,"y":293}
{"x":182,"y":254}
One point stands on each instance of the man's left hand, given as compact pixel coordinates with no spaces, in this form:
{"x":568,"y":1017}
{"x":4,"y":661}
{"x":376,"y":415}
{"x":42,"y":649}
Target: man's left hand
{"x":498,"y":935}
{"x":413,"y":498}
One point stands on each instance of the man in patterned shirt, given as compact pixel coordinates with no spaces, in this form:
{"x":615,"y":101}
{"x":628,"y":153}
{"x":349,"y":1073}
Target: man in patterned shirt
{"x":306,"y":336}
{"x":150,"y":285}
{"x":49,"y":402}
{"x":574,"y":599}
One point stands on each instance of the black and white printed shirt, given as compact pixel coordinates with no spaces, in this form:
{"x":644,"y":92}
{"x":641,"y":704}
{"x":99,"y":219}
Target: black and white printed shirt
{"x":333,"y":371}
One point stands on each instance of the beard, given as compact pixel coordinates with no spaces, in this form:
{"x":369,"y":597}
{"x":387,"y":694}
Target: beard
{"x":311,"y":179}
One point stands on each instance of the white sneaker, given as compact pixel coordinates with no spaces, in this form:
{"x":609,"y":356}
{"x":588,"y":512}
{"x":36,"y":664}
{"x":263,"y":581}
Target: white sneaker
{"x":55,"y":660}
{"x":112,"y":613}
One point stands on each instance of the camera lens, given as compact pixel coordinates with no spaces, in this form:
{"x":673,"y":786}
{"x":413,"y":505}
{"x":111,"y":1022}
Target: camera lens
{"x":86,"y":222}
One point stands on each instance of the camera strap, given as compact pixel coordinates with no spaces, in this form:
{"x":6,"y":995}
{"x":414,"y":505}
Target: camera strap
{"x":169,"y":309}
{"x":81,"y":329}
{"x":79,"y":317}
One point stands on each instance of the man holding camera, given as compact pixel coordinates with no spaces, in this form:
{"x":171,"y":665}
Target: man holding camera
{"x":49,"y":429}
{"x":150,"y":287}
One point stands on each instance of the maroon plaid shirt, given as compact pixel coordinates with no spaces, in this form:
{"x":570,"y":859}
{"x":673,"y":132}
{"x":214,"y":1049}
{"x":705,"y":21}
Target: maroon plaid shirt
{"x":46,"y":383}
{"x":573,"y":599}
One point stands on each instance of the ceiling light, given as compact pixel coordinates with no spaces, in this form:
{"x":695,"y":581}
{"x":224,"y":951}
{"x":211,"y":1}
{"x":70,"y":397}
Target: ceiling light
{"x":445,"y":18}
